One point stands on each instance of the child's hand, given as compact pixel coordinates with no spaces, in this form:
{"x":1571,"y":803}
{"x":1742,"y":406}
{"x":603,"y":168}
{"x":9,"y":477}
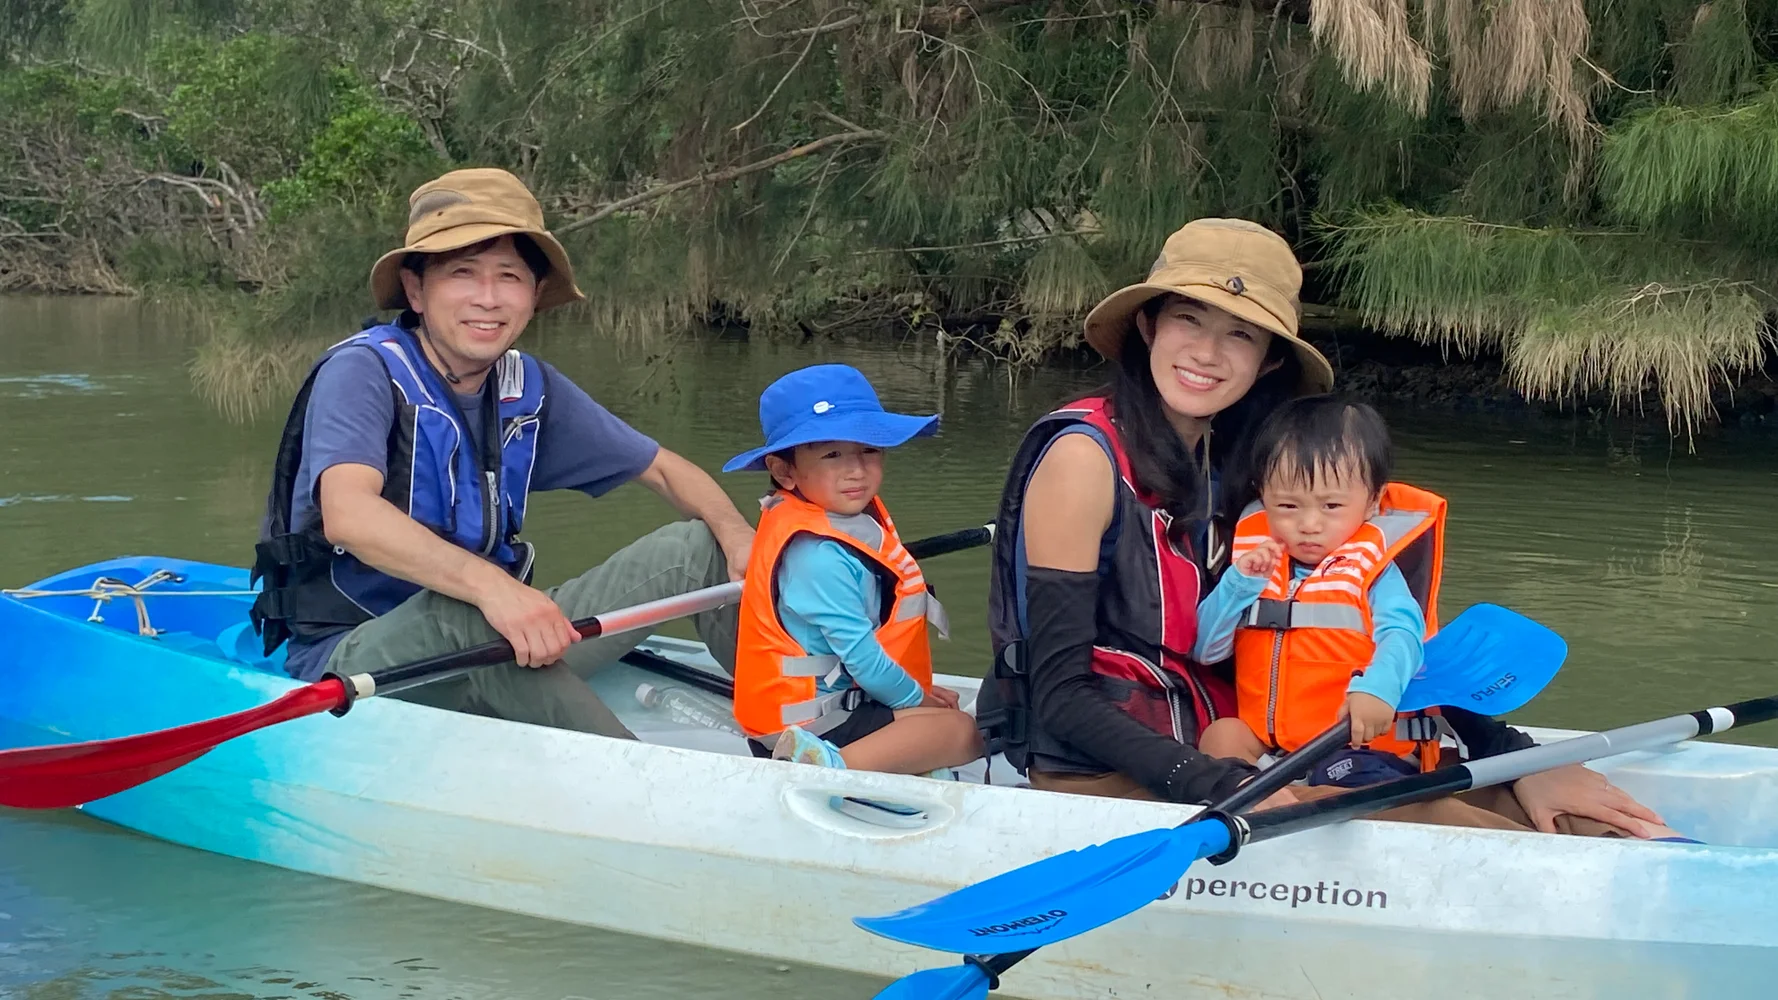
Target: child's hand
{"x":940,"y":697}
{"x":1371,"y":717}
{"x":1262,"y":560}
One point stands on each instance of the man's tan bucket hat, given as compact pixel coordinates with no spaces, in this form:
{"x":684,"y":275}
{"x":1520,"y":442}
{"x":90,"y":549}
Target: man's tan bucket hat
{"x":463,"y":208}
{"x":1232,"y":264}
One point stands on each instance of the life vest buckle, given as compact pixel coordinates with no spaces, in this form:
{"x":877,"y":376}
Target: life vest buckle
{"x":1417,"y":727}
{"x":1270,"y":613}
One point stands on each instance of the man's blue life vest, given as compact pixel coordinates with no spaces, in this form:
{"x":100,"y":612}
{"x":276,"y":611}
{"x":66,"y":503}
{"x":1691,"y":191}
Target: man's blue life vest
{"x":435,"y":476}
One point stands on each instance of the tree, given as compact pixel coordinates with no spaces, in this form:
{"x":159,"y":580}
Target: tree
{"x":1585,"y":187}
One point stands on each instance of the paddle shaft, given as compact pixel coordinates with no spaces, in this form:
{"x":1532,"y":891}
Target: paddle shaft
{"x":408,"y":675}
{"x":1496,"y":770}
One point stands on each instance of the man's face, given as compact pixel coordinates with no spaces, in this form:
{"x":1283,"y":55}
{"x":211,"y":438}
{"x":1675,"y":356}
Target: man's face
{"x":475,"y":302}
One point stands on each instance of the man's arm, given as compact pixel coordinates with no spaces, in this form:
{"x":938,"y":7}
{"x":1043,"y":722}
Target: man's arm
{"x":586,"y":447}
{"x":356,"y":518}
{"x":695,"y":494}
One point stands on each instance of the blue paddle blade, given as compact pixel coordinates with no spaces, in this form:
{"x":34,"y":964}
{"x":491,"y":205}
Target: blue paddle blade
{"x":1488,"y":660}
{"x":956,"y":982}
{"x":1057,"y":898}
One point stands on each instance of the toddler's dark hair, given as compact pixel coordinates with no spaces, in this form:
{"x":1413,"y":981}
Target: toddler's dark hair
{"x":1309,"y":438}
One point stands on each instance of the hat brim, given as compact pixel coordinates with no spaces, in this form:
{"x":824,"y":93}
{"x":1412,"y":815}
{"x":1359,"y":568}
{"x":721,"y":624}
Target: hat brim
{"x":878,"y":429}
{"x":1114,"y":319}
{"x":556,"y":289}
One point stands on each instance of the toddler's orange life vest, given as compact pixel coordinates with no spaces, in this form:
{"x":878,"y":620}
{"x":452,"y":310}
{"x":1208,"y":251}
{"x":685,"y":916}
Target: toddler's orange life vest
{"x":775,"y":678}
{"x":1303,"y":641}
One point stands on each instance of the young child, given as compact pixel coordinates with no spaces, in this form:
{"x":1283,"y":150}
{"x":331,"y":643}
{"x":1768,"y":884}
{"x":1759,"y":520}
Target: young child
{"x":832,"y":661}
{"x":1332,"y":593}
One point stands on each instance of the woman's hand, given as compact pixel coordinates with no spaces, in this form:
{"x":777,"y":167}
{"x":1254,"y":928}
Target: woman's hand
{"x":1281,"y":797}
{"x":1578,"y":791}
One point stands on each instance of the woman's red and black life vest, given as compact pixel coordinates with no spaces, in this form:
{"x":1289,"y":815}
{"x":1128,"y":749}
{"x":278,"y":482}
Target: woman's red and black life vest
{"x":435,"y":476}
{"x":1147,"y":615}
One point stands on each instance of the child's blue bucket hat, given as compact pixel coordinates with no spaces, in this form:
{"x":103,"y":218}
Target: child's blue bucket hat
{"x":827,"y":403}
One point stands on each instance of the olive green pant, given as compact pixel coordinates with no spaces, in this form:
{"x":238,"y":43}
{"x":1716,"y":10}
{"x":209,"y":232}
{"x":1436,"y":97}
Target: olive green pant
{"x":673,"y":560}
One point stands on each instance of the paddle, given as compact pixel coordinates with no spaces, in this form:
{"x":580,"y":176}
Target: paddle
{"x":974,"y":979}
{"x":981,"y":973}
{"x":56,"y":777}
{"x":1489,"y":660}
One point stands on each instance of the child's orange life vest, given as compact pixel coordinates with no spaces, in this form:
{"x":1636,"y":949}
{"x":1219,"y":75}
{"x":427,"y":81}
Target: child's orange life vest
{"x":1303,"y":641}
{"x":775,"y":678}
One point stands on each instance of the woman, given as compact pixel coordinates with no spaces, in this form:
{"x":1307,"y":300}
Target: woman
{"x":1116,"y":516}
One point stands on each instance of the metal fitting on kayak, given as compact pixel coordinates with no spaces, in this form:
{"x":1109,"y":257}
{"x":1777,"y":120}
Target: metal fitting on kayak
{"x":982,"y":962}
{"x":1238,"y":833}
{"x":356,"y":686}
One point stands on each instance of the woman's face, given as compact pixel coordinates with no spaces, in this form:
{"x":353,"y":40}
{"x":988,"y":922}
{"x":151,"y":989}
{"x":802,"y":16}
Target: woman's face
{"x":1202,"y":358}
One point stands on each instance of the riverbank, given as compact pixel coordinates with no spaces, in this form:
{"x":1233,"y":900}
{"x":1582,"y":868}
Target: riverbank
{"x":1399,"y":371}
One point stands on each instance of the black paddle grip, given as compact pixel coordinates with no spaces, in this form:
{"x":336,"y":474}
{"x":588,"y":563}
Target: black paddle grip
{"x":953,"y":541}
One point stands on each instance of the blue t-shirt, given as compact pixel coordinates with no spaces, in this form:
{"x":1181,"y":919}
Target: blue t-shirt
{"x":580,"y":446}
{"x":831,"y":603}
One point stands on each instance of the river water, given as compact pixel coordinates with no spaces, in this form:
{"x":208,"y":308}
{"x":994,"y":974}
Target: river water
{"x":1654,"y":562}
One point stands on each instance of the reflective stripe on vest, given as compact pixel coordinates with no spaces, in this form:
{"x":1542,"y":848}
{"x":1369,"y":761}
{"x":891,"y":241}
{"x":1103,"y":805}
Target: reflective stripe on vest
{"x":776,"y":680}
{"x":1299,"y":615}
{"x":1298,"y":647}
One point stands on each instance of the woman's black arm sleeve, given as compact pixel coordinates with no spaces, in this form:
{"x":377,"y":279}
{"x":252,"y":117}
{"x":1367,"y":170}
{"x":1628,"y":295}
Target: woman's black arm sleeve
{"x":1060,"y":607}
{"x":1483,"y":735}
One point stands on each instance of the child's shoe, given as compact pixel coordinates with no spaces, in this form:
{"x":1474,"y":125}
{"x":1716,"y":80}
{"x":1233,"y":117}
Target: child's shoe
{"x":797,"y":744}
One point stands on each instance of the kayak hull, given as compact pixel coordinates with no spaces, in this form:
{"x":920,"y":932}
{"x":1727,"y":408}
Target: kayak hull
{"x":721,"y":850}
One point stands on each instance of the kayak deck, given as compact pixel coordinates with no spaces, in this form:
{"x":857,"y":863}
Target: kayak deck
{"x":200,"y":609}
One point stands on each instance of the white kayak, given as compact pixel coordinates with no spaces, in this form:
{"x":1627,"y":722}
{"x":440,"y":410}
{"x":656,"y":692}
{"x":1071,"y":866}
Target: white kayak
{"x":685,"y":836}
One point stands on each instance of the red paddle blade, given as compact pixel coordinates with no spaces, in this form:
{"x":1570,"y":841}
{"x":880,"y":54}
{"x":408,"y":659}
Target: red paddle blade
{"x":69,"y":774}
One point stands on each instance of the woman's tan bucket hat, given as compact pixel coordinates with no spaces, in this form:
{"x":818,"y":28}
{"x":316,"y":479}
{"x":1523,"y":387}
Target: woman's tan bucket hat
{"x":463,"y":208}
{"x":1235,"y":265}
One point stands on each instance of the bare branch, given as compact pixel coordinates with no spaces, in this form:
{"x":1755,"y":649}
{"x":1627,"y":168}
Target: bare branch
{"x":984,"y":244}
{"x":841,"y":122}
{"x":725,"y":175}
{"x":822,"y":29}
{"x":800,"y":56}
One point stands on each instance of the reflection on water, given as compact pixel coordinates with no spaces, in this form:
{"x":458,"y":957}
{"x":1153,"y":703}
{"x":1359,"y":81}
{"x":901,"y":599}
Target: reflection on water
{"x":1655,"y":563}
{"x":88,"y":911}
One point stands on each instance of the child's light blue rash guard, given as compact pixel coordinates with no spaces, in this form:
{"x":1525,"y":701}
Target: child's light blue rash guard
{"x":1397,"y":627}
{"x":831,"y":603}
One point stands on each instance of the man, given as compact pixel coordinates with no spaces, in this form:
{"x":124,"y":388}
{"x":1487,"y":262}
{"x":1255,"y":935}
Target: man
{"x":402,"y":478}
